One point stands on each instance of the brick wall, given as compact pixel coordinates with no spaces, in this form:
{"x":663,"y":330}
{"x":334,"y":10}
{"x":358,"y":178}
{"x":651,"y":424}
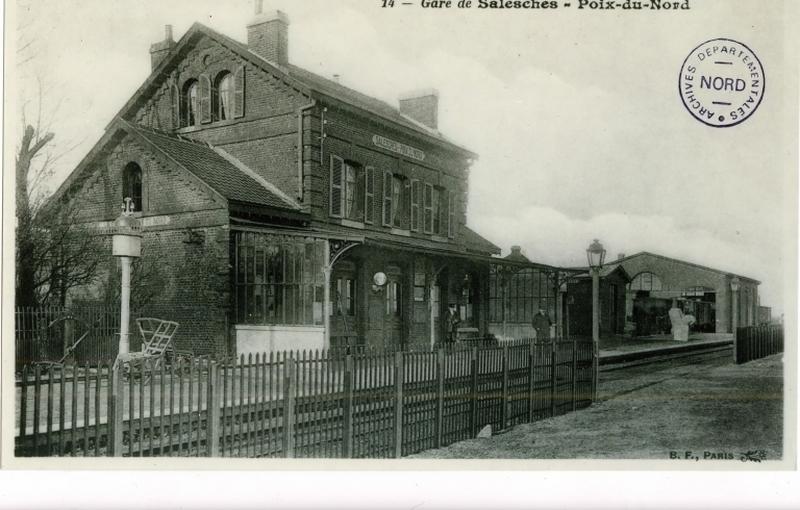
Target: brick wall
{"x":350,"y":137}
{"x":265,"y":138}
{"x":184,"y":264}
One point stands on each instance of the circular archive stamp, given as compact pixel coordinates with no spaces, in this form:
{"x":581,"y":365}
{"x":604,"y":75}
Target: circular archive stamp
{"x":721,"y":82}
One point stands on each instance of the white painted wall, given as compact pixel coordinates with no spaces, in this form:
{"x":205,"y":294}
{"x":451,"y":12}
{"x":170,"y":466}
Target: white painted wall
{"x":252,"y":339}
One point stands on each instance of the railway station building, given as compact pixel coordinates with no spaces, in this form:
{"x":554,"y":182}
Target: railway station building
{"x":643,"y":287}
{"x":283,"y":210}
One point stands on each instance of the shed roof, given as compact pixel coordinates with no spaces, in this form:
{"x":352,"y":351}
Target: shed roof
{"x":226,"y":178}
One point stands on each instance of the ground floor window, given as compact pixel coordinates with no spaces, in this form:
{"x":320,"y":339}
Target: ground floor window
{"x":278,"y":279}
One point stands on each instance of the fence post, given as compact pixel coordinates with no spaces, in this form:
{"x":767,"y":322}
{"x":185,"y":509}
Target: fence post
{"x":531,"y":380}
{"x":117,"y":404}
{"x":574,"y":374}
{"x":213,"y":404}
{"x":504,"y":391}
{"x":473,"y":391}
{"x":289,"y":379}
{"x":439,"y":397}
{"x":347,"y":439}
{"x":553,"y":377}
{"x":398,"y":404}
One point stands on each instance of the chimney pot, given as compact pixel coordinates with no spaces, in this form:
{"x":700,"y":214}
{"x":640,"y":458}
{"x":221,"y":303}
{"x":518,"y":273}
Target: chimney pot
{"x":167,"y":32}
{"x":620,"y":256}
{"x":422,"y":106}
{"x":268,"y":35}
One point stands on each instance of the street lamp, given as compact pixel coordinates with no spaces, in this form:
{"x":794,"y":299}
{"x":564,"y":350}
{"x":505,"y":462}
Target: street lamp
{"x":595,"y":255}
{"x":127,"y":245}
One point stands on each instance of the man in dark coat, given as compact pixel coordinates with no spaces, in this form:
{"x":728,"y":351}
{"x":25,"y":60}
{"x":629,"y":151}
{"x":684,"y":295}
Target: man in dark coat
{"x":542,"y":323}
{"x":451,"y":320}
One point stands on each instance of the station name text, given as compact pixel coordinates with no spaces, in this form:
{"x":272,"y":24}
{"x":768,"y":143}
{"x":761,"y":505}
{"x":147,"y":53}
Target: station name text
{"x":585,"y":5}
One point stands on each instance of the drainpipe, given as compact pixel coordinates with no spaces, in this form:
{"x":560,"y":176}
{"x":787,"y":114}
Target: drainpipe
{"x":326,"y":292}
{"x":300,"y":170}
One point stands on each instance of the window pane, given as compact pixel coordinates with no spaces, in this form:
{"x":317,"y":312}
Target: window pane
{"x":225,"y":91}
{"x":437,"y":200}
{"x":191,"y":106}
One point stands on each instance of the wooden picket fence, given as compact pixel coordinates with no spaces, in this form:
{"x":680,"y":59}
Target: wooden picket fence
{"x":754,"y":342}
{"x":298,"y":404}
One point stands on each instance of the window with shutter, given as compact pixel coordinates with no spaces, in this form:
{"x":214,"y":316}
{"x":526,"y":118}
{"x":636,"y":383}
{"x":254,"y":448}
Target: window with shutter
{"x":190,"y":113}
{"x":400,"y":201}
{"x":353,"y":191}
{"x":387,"y":199}
{"x":205,"y":99}
{"x":238,"y":93}
{"x":415,"y":192}
{"x":176,"y":107}
{"x":451,"y":215}
{"x":428,"y":207}
{"x":437,"y":210}
{"x":369,"y":195}
{"x":337,"y":181}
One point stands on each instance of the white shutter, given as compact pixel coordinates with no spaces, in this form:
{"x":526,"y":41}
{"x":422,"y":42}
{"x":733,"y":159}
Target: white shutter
{"x":415,"y":191}
{"x":387,"y":199}
{"x":205,"y":99}
{"x":451,"y":214}
{"x":176,"y":107}
{"x":238,"y":93}
{"x":428,"y":207}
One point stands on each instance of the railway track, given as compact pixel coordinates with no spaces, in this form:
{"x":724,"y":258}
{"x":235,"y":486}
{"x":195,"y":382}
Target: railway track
{"x":688,"y":355}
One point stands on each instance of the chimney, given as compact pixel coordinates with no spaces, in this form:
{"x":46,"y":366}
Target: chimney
{"x":516,"y":250}
{"x":620,"y":256}
{"x":160,"y":50}
{"x":268,"y":35}
{"x":422,"y":106}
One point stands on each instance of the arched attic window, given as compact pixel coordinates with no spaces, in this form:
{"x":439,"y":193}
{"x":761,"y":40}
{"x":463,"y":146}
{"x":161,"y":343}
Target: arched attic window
{"x":222,"y":98}
{"x":190,"y":113}
{"x":132,"y":185}
{"x":645,"y":281}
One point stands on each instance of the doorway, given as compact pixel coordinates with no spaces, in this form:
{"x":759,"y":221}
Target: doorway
{"x":393,"y":309}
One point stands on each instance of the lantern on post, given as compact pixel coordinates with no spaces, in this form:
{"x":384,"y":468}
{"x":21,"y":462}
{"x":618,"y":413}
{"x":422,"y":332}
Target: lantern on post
{"x":126,"y":244}
{"x":595,"y":255}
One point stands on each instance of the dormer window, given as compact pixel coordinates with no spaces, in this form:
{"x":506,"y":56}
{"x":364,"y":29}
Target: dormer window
{"x":132,"y":185}
{"x":223,"y":96}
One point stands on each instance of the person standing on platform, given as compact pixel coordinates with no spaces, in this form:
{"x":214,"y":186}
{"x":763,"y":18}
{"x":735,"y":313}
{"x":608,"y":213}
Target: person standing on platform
{"x":451,"y":321}
{"x":542,"y":323}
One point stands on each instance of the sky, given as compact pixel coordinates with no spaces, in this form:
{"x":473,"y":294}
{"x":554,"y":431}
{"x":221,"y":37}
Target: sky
{"x":575,"y":114}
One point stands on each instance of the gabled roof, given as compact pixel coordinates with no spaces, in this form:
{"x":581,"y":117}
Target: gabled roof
{"x":308,"y":83}
{"x":226,"y":178}
{"x":606,"y":271}
{"x":477,"y":243}
{"x":647,"y":253}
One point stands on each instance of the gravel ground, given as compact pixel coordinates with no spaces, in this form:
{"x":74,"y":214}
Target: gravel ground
{"x":713,"y":410}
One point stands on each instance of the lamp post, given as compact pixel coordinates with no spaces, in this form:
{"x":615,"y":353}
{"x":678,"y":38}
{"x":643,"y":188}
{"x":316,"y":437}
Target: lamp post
{"x":595,"y":255}
{"x":127,"y":245}
{"x":735,"y":283}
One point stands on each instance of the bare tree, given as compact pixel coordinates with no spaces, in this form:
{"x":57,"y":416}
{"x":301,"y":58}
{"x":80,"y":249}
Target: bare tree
{"x":54,"y":253}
